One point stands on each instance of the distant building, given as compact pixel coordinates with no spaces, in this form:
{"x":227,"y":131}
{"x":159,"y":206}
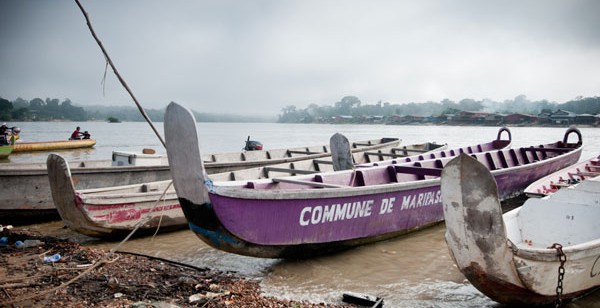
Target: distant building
{"x":563,"y":117}
{"x":520,"y":118}
{"x":585,"y":118}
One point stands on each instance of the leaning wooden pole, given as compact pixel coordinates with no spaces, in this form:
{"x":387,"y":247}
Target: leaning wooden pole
{"x":107,"y":57}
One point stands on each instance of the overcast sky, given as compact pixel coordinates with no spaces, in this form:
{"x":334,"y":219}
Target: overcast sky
{"x":256,"y":57}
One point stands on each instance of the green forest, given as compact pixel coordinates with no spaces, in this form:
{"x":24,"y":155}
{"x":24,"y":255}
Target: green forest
{"x":53,"y":109}
{"x":352,"y":106}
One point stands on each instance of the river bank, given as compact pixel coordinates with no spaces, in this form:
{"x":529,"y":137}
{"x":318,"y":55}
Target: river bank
{"x":43,"y":271}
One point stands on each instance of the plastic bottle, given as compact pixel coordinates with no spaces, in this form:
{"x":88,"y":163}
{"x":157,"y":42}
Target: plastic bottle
{"x":28,"y":243}
{"x":52,"y":259}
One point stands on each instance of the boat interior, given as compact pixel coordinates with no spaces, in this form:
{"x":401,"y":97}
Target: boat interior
{"x":420,"y":168}
{"x":567,"y":222}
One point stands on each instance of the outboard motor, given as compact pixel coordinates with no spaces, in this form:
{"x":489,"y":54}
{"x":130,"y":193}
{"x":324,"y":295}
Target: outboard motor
{"x":252,"y":145}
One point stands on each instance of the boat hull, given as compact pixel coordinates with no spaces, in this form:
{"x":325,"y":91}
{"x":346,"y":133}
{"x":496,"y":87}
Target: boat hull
{"x":22,"y":147}
{"x":5,"y":151}
{"x":346,"y":217}
{"x":30,"y":195}
{"x":203,"y":222}
{"x":511,"y":258}
{"x":113,"y":211}
{"x":280,"y":217}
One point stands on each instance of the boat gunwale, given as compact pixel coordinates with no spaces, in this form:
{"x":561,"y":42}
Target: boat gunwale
{"x":235,"y":189}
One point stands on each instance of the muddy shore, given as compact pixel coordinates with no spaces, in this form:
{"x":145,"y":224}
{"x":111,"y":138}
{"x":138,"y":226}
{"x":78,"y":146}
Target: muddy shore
{"x":41,"y":271}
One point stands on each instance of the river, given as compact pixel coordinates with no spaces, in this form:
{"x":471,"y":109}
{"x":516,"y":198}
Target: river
{"x":414,"y":270}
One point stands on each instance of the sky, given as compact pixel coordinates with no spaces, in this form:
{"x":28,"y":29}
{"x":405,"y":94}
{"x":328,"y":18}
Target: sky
{"x":257,"y":57}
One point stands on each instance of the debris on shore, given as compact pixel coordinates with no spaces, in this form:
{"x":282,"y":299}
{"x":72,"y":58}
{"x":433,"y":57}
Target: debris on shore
{"x":41,"y":271}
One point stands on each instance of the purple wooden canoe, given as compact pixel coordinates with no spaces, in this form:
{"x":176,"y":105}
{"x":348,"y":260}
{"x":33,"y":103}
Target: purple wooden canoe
{"x":308,"y":215}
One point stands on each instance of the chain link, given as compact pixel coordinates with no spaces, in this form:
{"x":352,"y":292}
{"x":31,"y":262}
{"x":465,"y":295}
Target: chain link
{"x":561,"y":272}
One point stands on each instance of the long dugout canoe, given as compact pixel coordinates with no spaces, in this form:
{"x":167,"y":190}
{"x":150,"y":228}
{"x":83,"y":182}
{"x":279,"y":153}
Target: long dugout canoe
{"x":29,"y":195}
{"x":307,"y":215}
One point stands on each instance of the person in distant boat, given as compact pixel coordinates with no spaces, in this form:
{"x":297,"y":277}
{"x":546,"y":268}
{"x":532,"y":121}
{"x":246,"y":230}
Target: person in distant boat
{"x":86,"y":135}
{"x":3,"y":134}
{"x":76,"y":135}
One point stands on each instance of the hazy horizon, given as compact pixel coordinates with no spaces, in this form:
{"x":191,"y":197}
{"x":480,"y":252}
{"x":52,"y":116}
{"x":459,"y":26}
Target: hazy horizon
{"x":255,"y":58}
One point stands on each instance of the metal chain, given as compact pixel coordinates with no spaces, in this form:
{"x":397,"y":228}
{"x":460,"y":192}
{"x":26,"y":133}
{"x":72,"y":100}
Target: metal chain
{"x":561,"y":272}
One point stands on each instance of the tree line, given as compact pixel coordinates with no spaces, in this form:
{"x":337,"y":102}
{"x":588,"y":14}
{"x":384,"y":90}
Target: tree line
{"x":40,"y":110}
{"x":352,"y":106}
{"x":52,"y":109}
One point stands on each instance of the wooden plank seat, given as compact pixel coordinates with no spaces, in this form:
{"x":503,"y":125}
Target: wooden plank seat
{"x":303,"y":152}
{"x":409,"y":150}
{"x":584,"y":173}
{"x":418,"y":170}
{"x":514,"y":157}
{"x":308,"y":183}
{"x":496,"y":160}
{"x":287,"y":170}
{"x":324,"y":162}
{"x":374,"y":177}
{"x":558,"y":150}
{"x":384,"y":154}
{"x":558,"y":185}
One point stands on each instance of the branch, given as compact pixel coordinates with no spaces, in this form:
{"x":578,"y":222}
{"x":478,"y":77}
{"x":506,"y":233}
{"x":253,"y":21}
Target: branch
{"x":109,"y":61}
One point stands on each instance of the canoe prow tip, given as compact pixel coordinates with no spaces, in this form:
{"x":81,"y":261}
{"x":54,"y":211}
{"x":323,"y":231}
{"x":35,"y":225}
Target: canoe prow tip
{"x":183,"y":153}
{"x":341,"y":154}
{"x":475,"y":230}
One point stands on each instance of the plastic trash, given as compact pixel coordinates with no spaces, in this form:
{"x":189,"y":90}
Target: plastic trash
{"x":52,"y":259}
{"x":3,"y":241}
{"x":28,"y":243}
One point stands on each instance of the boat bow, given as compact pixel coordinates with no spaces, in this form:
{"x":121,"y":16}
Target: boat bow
{"x":475,"y":231}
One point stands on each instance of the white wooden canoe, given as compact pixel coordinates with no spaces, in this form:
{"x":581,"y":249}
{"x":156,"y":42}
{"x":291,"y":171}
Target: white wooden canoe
{"x":113,"y":211}
{"x":566,"y":177}
{"x":513,"y":258}
{"x":29,"y":196}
